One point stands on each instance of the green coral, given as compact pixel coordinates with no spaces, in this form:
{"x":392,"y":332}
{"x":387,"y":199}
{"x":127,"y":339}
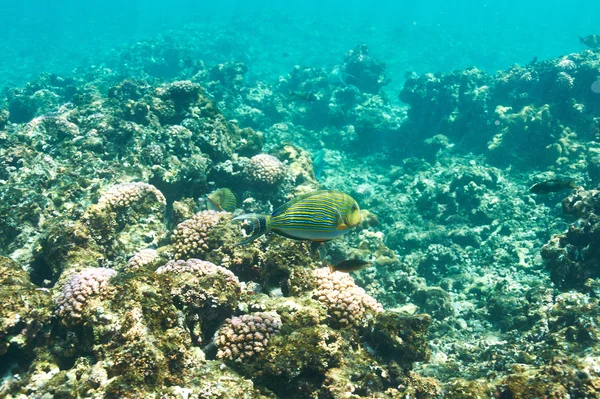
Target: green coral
{"x":25,"y":313}
{"x":399,"y":337}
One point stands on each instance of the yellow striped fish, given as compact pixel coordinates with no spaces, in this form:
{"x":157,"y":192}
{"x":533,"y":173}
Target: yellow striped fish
{"x":317,"y":216}
{"x":221,"y":200}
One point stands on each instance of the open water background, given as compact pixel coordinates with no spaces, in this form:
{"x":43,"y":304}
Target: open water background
{"x":272,"y":36}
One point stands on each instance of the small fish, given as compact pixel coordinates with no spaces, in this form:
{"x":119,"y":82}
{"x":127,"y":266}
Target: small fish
{"x":309,"y":96}
{"x":337,"y":76}
{"x":591,"y":41}
{"x":319,"y":163}
{"x":552,"y":186}
{"x":285,"y":54}
{"x":349,"y":265}
{"x":317,"y":216}
{"x":221,"y":200}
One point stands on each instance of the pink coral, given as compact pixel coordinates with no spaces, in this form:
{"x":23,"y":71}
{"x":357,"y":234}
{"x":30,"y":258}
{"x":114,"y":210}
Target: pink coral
{"x":347,"y":304}
{"x":246,"y":336}
{"x":82,"y":288}
{"x":191,"y":237}
{"x":141,"y":259}
{"x":124,"y":195}
{"x":265,"y":169}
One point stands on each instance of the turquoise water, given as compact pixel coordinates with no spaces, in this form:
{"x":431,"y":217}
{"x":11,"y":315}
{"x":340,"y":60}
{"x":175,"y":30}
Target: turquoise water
{"x":422,"y":36}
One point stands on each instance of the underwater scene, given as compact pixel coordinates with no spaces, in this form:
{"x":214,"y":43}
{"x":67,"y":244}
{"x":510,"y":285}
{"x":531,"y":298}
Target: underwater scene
{"x":299,"y":200}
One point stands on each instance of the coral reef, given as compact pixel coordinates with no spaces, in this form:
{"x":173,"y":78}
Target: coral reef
{"x":205,"y":292}
{"x":24,"y":315}
{"x":142,"y":259}
{"x":193,"y":238}
{"x":97,"y":168}
{"x":245,"y":336}
{"x":346,"y":303}
{"x":264,"y":169}
{"x":82,"y":293}
{"x":523,"y":115}
{"x":572,"y":257}
{"x":363,"y":71}
{"x":126,"y":195}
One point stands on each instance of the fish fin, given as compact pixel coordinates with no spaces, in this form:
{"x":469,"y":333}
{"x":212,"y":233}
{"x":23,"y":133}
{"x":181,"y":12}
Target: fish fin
{"x":291,"y":237}
{"x":572,"y":184}
{"x":342,"y":226}
{"x":259,"y":223}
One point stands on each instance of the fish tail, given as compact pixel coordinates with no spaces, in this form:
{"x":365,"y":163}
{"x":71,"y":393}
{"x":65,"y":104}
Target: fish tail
{"x":572,"y":184}
{"x":580,"y":39}
{"x":331,"y":268}
{"x":259,"y":223}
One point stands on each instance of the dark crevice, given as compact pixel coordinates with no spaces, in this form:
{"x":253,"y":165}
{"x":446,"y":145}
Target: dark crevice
{"x":40,"y":272}
{"x":14,"y":361}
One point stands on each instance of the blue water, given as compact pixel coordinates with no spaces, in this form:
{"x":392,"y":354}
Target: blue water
{"x":45,"y":36}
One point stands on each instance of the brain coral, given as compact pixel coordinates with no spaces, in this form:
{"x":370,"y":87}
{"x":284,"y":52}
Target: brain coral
{"x":245,"y":336}
{"x":265,"y":169}
{"x":124,"y":195}
{"x":82,"y":288}
{"x":347,"y":304}
{"x":191,"y":238}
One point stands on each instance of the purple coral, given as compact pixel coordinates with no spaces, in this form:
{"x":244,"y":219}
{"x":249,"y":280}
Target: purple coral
{"x":82,"y":288}
{"x":124,"y":195}
{"x":191,"y":237}
{"x":265,"y":169}
{"x":141,"y":259}
{"x":245,"y":336}
{"x":347,"y":304}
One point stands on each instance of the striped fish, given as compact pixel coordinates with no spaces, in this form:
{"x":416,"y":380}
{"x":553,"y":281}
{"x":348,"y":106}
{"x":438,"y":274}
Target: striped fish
{"x":317,"y":216}
{"x":221,"y":200}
